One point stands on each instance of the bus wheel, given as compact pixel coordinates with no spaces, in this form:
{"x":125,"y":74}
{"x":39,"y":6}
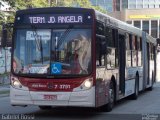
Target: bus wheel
{"x":111,"y":98}
{"x":135,"y":95}
{"x":45,"y":107}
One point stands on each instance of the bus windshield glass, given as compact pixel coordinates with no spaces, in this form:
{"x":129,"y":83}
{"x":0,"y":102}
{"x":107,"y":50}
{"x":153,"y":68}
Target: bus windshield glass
{"x":52,"y":51}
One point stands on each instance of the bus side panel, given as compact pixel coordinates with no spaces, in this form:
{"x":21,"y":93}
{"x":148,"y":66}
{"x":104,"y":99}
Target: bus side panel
{"x":140,"y":71}
{"x":130,"y":79}
{"x":101,"y":87}
{"x":103,"y":79}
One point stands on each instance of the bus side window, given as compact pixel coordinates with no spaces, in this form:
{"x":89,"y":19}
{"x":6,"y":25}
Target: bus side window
{"x":100,"y":51}
{"x":134,"y":51}
{"x":100,"y":44}
{"x":111,"y":50}
{"x":139,"y":50}
{"x":151,"y":51}
{"x":128,"y":50}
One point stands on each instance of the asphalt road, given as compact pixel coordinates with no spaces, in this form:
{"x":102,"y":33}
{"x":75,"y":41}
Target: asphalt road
{"x":147,"y":107}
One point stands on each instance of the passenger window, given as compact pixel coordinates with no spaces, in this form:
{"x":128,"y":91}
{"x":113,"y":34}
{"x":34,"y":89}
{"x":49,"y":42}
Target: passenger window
{"x":139,"y":48}
{"x":111,"y":48}
{"x":111,"y":63}
{"x":109,"y":33}
{"x":128,"y":50}
{"x":133,"y":42}
{"x":101,"y":46}
{"x":101,"y":50}
{"x":134,"y":52}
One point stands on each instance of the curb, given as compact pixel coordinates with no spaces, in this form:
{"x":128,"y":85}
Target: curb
{"x":4,"y":92}
{"x":4,"y":95}
{"x":6,"y":84}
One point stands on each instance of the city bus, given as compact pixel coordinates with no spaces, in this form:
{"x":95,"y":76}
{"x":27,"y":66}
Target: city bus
{"x":78,"y":57}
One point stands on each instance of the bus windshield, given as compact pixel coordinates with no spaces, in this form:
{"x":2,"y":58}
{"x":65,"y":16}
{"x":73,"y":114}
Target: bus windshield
{"x":52,"y":51}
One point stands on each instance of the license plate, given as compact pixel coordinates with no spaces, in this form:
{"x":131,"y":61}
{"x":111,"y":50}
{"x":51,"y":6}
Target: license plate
{"x":50,"y":97}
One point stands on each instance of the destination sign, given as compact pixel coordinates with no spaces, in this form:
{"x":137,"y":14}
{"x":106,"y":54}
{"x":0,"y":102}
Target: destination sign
{"x":53,"y":18}
{"x":58,"y":19}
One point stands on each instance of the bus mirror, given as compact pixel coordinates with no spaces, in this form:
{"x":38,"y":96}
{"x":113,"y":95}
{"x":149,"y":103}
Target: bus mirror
{"x":6,"y":40}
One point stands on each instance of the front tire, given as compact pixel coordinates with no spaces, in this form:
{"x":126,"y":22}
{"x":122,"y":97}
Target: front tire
{"x":111,"y":98}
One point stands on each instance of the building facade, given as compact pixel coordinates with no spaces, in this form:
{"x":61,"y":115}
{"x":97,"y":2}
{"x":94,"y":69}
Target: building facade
{"x":105,"y":4}
{"x":144,"y":14}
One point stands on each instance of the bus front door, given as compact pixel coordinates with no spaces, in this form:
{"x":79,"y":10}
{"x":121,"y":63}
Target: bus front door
{"x":122,"y":61}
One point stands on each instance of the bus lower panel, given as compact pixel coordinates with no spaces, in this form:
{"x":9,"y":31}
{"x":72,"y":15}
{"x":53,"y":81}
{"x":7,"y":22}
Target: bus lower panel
{"x":84,"y":98}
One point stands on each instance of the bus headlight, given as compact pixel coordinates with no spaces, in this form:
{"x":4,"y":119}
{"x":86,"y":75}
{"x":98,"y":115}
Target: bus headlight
{"x":15,"y":82}
{"x":88,"y":83}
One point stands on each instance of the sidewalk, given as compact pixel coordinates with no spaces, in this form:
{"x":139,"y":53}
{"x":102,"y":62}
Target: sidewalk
{"x":157,"y":84}
{"x":4,"y":85}
{"x":4,"y":90}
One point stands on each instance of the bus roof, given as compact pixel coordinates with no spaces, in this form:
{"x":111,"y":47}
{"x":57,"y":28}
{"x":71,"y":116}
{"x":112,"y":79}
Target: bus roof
{"x":122,"y":25}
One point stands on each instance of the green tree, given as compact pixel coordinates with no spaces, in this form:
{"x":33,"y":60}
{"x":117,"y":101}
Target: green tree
{"x":25,"y":4}
{"x":75,"y":3}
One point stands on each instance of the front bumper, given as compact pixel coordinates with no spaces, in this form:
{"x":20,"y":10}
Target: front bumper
{"x":84,"y":98}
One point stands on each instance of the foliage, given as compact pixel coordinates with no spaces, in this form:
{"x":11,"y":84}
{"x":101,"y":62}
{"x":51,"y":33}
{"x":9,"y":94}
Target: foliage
{"x":25,"y":4}
{"x":76,"y":3}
